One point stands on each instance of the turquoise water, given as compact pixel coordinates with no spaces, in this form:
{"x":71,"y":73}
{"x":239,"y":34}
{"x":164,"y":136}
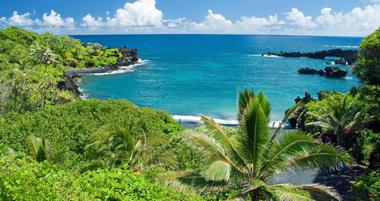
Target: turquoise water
{"x":202,"y":74}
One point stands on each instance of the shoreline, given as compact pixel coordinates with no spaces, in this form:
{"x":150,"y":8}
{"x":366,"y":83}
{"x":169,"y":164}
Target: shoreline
{"x":73,"y":76}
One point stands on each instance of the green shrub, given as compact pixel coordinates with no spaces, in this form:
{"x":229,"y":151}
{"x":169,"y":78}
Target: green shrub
{"x":25,"y":179}
{"x":367,"y":187}
{"x":368,"y":64}
{"x":72,"y":125}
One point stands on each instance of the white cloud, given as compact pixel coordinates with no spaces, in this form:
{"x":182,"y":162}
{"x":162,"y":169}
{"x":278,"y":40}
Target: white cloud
{"x":297,"y":18}
{"x":143,"y":16}
{"x":55,"y":19}
{"x":359,"y":21}
{"x":20,"y":19}
{"x":212,"y":22}
{"x":139,"y":13}
{"x":91,"y":22}
{"x":252,"y":24}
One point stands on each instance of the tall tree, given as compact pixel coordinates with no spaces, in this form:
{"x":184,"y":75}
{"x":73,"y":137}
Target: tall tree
{"x":250,"y":156}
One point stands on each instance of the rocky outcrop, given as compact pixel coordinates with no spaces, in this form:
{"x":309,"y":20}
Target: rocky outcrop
{"x":70,"y":84}
{"x":335,"y":72}
{"x":128,"y":57}
{"x":70,"y":73}
{"x":311,"y":71}
{"x":296,"y":118}
{"x":347,"y":56}
{"x":330,"y":72}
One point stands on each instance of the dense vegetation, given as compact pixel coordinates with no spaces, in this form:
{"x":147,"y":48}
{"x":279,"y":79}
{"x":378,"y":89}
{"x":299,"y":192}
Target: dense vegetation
{"x":249,"y":156}
{"x":32,"y":66}
{"x":56,"y":147}
{"x":22,"y":178}
{"x":352,"y":120}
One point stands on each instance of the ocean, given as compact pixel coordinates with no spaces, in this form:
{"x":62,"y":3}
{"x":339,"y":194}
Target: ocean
{"x":192,"y":75}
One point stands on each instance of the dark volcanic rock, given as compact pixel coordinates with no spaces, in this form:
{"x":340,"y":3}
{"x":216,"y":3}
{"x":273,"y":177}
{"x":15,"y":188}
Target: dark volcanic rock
{"x":330,"y":71}
{"x":70,"y":84}
{"x":129,"y":56}
{"x":296,"y":117}
{"x":308,"y":71}
{"x":347,"y":56}
{"x":335,"y":72}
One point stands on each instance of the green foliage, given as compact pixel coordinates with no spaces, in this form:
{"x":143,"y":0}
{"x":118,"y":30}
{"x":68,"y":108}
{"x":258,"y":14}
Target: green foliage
{"x":25,"y":179}
{"x":367,"y":187}
{"x":71,"y":125}
{"x":252,"y":154}
{"x":337,"y":114}
{"x":368,"y":64}
{"x":114,"y":147}
{"x":32,"y":66}
{"x":369,"y":96}
{"x":38,"y":148}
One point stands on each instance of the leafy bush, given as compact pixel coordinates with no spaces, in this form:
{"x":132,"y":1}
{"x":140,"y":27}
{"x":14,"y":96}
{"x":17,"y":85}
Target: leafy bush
{"x":72,"y":125}
{"x":25,"y":179}
{"x":367,"y":187}
{"x":368,"y":64}
{"x":32,"y":66}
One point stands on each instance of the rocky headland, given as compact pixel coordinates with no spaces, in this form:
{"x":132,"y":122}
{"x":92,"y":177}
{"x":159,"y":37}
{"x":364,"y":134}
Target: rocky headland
{"x":128,"y":57}
{"x":345,"y":56}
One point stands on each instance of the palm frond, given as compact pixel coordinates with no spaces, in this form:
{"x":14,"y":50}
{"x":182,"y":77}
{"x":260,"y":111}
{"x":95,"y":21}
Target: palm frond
{"x":265,"y":105}
{"x":276,"y":157}
{"x":245,"y":97}
{"x":38,"y":148}
{"x":218,"y":171}
{"x":288,"y":192}
{"x":195,"y":180}
{"x":309,"y":192}
{"x":321,"y":192}
{"x":221,"y":136}
{"x":319,"y":156}
{"x":253,"y":132}
{"x":321,"y":124}
{"x":285,"y":119}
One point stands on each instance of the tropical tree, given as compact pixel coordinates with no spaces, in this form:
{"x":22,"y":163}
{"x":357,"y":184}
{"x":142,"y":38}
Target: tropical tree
{"x":38,"y":148}
{"x":114,"y":147}
{"x":43,"y":54}
{"x":340,"y":117}
{"x":250,"y":156}
{"x":367,"y":67}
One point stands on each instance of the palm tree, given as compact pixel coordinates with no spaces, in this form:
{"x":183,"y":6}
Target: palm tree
{"x":113,"y":147}
{"x":43,"y":54}
{"x":250,"y":156}
{"x":38,"y":148}
{"x":340,"y":117}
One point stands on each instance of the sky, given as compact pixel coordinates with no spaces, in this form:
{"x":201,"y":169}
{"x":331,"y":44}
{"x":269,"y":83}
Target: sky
{"x":290,"y":17}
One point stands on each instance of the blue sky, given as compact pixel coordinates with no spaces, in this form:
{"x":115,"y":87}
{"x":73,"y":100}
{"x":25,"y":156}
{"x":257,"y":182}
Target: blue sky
{"x":312,"y":17}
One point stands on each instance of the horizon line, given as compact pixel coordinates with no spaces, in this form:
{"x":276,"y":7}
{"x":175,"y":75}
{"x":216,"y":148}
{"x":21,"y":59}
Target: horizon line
{"x":210,"y":34}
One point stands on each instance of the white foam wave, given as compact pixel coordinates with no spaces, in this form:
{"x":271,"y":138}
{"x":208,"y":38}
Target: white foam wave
{"x":124,"y":69}
{"x":83,"y":93}
{"x":343,"y":46}
{"x":198,"y":120}
{"x":348,"y":78}
{"x":266,"y":55}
